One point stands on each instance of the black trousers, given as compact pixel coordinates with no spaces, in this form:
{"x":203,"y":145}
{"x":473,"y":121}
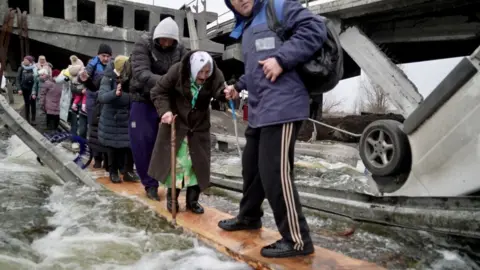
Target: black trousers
{"x":30,"y":105}
{"x":268,"y":173}
{"x":53,"y":121}
{"x":128,"y":165}
{"x":120,"y":160}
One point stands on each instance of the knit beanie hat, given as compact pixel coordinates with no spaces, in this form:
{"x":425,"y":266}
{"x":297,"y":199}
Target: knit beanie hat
{"x":104,"y":49}
{"x":119,"y":63}
{"x":75,"y":61}
{"x":74,"y":70}
{"x":167,"y":28}
{"x":55,"y":73}
{"x":30,"y":58}
{"x":76,"y":66}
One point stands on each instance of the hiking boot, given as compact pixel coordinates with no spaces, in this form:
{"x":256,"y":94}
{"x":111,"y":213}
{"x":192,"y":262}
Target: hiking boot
{"x":115,"y":178}
{"x":193,"y":193}
{"x":169,"y":199}
{"x":130,"y":177}
{"x":236,"y":224}
{"x":285,"y":249}
{"x":152,"y":193}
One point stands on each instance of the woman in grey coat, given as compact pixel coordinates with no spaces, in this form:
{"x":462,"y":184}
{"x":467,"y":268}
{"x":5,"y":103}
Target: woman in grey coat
{"x":113,"y":124}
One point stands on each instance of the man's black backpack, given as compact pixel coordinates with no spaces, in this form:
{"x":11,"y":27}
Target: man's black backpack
{"x":28,"y":79}
{"x":325,"y":69}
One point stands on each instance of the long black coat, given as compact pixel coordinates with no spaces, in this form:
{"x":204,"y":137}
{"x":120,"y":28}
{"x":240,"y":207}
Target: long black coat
{"x":93,"y":140}
{"x":172,"y":93}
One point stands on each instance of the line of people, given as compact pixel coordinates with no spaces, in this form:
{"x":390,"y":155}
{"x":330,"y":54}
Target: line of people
{"x":115,"y":104}
{"x":126,"y":107}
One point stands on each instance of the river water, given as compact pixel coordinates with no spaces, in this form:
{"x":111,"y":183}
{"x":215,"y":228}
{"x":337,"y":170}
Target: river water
{"x":47,"y":226}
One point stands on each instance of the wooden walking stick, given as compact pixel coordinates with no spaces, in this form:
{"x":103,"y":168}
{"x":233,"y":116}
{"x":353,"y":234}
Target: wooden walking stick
{"x":173,"y":162}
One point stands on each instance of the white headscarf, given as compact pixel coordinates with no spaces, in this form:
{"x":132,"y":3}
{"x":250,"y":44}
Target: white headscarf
{"x":198,"y":60}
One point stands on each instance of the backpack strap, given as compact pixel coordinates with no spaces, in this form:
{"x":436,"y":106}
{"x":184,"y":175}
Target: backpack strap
{"x":275,"y":17}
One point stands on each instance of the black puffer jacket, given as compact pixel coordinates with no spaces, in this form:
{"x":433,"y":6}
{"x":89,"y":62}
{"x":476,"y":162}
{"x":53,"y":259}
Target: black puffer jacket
{"x":93,"y":140}
{"x":113,"y":125}
{"x":149,"y":63}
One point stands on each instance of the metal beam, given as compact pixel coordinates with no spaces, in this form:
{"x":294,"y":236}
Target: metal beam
{"x":50,"y":155}
{"x":446,"y":215}
{"x":381,"y":70}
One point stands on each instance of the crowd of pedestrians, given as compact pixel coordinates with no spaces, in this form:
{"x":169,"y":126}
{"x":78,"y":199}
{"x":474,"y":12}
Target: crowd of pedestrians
{"x":124,"y":106}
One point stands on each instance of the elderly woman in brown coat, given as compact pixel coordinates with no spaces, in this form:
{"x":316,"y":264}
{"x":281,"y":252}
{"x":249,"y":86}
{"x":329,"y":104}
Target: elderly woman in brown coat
{"x":186,"y":91}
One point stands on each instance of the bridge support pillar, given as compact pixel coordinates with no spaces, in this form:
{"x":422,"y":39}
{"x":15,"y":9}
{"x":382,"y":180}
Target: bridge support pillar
{"x":70,"y":10}
{"x":202,"y":26}
{"x":381,"y":70}
{"x":153,"y":20}
{"x":100,"y":12}
{"x":36,"y":8}
{"x":233,"y":52}
{"x":128,"y":17}
{"x":180,"y":20}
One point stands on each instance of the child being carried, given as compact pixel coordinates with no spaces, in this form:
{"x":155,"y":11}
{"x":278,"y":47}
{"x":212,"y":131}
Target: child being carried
{"x":78,"y":89}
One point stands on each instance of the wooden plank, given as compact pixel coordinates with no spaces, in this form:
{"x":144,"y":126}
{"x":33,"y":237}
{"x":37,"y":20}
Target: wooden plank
{"x":241,"y":245}
{"x":381,"y":70}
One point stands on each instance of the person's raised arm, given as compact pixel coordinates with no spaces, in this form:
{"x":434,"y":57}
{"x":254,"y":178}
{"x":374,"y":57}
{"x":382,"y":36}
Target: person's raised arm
{"x":241,"y":84}
{"x":219,"y":86}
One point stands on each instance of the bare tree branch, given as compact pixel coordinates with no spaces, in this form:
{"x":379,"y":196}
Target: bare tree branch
{"x":372,"y":99}
{"x":330,"y":104}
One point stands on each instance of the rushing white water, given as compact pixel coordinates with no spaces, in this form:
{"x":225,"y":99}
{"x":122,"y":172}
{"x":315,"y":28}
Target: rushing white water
{"x":46,"y":227}
{"x":86,"y":229}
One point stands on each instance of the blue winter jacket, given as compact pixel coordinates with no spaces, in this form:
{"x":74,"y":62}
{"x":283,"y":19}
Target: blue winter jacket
{"x":286,"y":99}
{"x":95,"y":70}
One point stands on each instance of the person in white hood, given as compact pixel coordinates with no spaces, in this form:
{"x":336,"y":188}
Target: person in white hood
{"x":152,"y":56}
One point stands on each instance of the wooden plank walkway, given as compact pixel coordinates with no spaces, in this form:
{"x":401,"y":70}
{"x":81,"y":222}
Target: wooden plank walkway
{"x":242,"y":245}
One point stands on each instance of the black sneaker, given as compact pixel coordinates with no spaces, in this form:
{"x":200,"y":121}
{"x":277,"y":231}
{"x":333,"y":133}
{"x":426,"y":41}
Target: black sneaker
{"x":285,"y":249}
{"x":131,"y":177}
{"x":235,"y":224}
{"x":152,"y":193}
{"x":115,"y":178}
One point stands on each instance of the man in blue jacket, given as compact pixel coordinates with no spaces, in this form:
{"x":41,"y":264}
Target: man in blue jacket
{"x":278,"y":102}
{"x":91,"y":77}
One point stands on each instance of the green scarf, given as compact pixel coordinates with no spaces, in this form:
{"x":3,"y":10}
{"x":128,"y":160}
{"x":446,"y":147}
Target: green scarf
{"x":195,"y":89}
